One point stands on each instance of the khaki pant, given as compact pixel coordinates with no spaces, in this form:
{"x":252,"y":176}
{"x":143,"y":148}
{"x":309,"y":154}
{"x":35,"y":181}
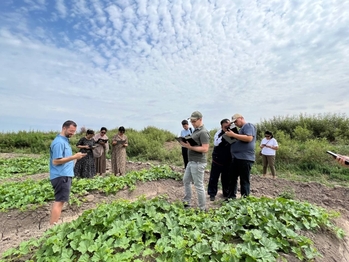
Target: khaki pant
{"x":195,"y":172}
{"x":269,"y":161}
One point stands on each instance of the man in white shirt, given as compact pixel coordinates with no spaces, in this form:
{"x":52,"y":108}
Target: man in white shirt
{"x":187,"y":131}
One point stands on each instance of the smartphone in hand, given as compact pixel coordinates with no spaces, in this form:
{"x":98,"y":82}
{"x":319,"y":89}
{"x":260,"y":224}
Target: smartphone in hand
{"x":335,"y":156}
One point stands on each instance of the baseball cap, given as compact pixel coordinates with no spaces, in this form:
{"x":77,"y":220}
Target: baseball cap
{"x":234,"y":117}
{"x":195,"y":115}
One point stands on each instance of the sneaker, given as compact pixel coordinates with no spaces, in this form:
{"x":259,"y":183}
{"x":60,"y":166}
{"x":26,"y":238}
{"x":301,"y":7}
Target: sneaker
{"x":212,"y":198}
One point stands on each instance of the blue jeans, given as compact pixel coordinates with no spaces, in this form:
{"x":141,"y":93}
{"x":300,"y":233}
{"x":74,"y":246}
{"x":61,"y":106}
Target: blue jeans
{"x":195,"y":173}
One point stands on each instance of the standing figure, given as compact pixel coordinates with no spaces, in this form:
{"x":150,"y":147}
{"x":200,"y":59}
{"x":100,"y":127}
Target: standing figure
{"x":243,"y":155}
{"x":187,"y":131}
{"x":101,"y":140}
{"x":221,"y":162}
{"x":195,"y":170}
{"x":85,"y":167}
{"x":269,"y":146}
{"x":62,"y":168}
{"x":118,"y":155}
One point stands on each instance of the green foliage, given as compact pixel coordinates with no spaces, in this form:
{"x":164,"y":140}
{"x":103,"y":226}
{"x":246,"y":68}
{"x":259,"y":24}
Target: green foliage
{"x":250,"y":229}
{"x":26,"y":142}
{"x":303,"y":142}
{"x":34,"y":193}
{"x":289,"y":193}
{"x":332,"y":127}
{"x":14,"y":167}
{"x":149,"y":144}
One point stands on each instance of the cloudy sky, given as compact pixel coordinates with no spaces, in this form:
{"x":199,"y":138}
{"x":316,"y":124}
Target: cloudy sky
{"x":140,"y":63}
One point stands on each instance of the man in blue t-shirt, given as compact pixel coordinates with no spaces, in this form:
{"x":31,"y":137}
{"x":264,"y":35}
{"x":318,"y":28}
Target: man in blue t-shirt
{"x":62,"y":168}
{"x":243,"y":155}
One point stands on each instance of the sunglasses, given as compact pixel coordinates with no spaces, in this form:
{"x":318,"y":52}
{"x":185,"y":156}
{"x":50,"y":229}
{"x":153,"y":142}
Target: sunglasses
{"x":103,"y":132}
{"x":267,"y":136}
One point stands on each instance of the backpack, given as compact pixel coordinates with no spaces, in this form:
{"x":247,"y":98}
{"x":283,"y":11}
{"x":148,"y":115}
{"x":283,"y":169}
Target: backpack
{"x":98,"y":151}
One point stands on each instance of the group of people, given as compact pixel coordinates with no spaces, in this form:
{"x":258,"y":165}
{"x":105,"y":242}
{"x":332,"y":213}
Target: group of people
{"x":233,"y":156}
{"x":96,"y":147}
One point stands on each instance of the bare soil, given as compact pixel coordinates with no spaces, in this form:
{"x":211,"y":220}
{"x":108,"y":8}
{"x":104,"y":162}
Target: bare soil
{"x":17,"y":226}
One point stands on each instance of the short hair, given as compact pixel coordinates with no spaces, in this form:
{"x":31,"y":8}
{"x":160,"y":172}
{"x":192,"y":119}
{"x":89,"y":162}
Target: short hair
{"x":122,"y":129}
{"x":90,"y":132}
{"x":104,"y":128}
{"x":69,"y":123}
{"x":225,"y":120}
{"x":185,"y":122}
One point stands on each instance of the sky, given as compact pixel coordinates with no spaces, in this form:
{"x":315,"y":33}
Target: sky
{"x":140,"y":63}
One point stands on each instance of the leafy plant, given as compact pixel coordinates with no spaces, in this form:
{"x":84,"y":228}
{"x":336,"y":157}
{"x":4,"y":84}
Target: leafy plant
{"x":15,"y":167}
{"x":249,"y":229}
{"x":31,"y":192}
{"x":289,"y":193}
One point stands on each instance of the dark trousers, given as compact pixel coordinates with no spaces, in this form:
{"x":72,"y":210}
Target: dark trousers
{"x":185,"y":156}
{"x":217,"y":170}
{"x":240,"y":168}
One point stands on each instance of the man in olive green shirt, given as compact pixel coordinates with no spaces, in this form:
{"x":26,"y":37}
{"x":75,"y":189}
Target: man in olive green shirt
{"x":195,"y":169}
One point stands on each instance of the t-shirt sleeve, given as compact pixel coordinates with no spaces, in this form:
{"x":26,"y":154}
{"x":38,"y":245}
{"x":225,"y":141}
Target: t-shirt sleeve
{"x":205,"y":138}
{"x":57,"y":150}
{"x":262,"y":142}
{"x":248,"y":130}
{"x":275,"y":142}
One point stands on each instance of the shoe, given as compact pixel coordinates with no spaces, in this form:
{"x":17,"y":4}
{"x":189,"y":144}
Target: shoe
{"x":186,"y":205}
{"x":212,"y":198}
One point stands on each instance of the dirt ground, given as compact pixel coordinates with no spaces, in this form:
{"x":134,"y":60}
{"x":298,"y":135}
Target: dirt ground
{"x":17,"y":226}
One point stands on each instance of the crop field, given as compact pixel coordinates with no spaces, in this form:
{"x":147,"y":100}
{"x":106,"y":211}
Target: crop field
{"x":140,"y":217}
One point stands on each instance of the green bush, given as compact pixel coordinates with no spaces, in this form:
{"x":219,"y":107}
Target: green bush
{"x":303,"y":142}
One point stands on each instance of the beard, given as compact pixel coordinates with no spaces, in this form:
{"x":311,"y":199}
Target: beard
{"x":67,"y":135}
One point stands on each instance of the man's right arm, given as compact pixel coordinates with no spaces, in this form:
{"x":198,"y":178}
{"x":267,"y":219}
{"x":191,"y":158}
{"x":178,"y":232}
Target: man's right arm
{"x":61,"y":161}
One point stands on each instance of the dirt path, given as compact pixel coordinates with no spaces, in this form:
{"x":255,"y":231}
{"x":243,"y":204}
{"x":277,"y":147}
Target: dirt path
{"x":16,"y":226}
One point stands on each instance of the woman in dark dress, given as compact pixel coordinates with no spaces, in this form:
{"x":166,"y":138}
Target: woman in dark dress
{"x":85,"y":167}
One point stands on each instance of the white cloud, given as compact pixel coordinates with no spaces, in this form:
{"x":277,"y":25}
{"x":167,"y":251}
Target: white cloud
{"x":61,"y":8}
{"x":157,"y":61}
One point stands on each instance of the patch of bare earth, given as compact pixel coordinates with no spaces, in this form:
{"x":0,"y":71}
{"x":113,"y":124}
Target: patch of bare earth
{"x":17,"y":226}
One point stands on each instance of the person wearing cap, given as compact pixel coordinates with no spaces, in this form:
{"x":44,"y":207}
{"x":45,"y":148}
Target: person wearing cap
{"x":243,"y":155}
{"x":197,"y":161}
{"x":185,"y":132}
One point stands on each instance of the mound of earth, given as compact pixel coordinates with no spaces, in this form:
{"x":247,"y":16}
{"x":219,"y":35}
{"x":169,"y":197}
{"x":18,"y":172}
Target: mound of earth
{"x":17,"y":226}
